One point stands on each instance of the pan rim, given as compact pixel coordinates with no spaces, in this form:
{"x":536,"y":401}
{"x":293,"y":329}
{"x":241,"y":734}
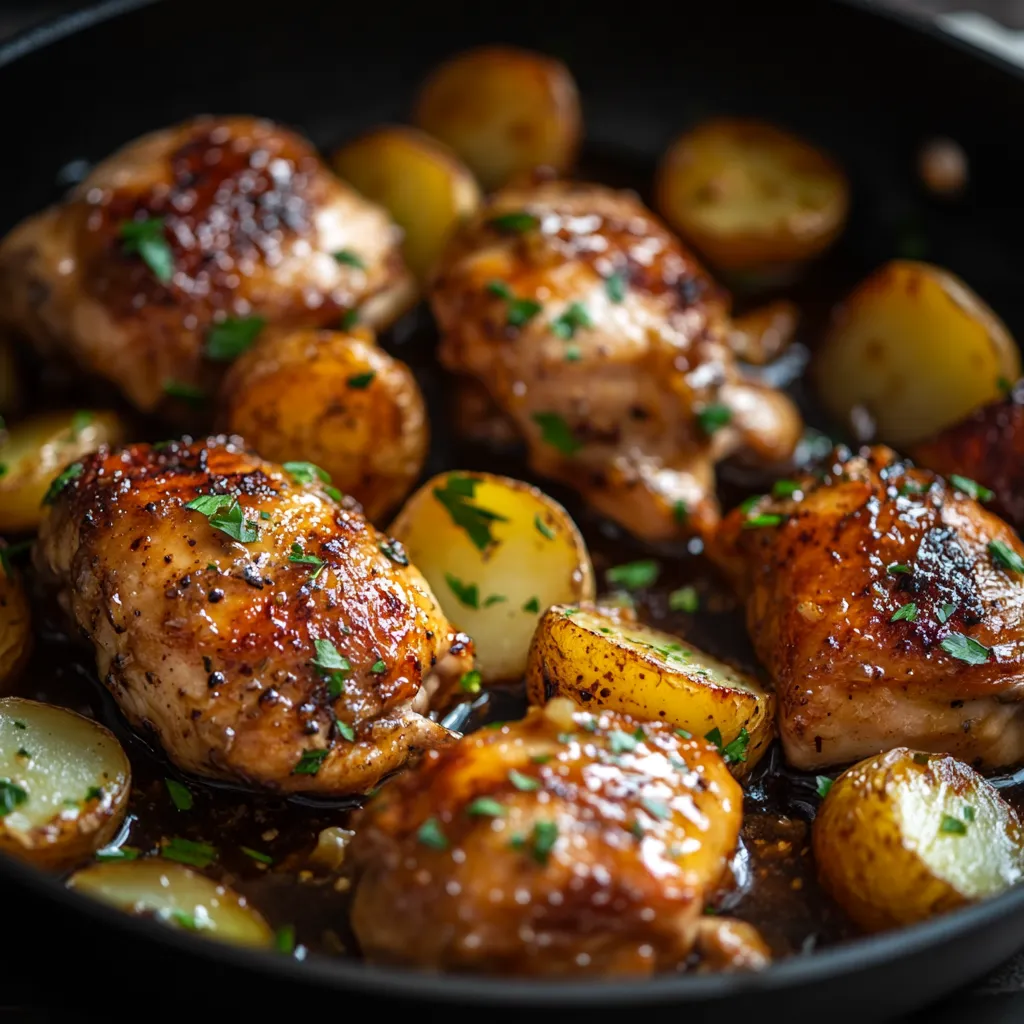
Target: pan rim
{"x":858,"y":955}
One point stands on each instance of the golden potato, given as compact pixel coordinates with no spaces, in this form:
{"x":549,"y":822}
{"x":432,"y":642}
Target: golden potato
{"x":15,"y":623}
{"x":903,"y":836}
{"x":420,"y":181}
{"x":334,"y":399}
{"x":64,"y":784}
{"x":600,"y":659}
{"x":505,"y":111}
{"x":36,"y":450}
{"x":175,"y":895}
{"x":914,"y":350}
{"x":496,"y":552}
{"x":749,"y":195}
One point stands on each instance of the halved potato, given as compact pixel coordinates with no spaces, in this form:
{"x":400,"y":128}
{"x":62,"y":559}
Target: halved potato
{"x":334,"y":399}
{"x":914,"y":350}
{"x":505,"y":111}
{"x":36,"y":450}
{"x":496,"y":552}
{"x":64,"y":784}
{"x":420,"y":181}
{"x":15,"y":625}
{"x":903,"y":836}
{"x":750,"y":195}
{"x":601,"y":660}
{"x":175,"y":895}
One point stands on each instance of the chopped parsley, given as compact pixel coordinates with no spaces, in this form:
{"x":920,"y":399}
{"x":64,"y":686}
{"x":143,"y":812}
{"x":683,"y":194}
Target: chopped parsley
{"x":519,"y":311}
{"x":906,"y":613}
{"x":306,"y":473}
{"x":897,"y":568}
{"x":232,"y":522}
{"x":736,"y":751}
{"x":615,"y":286}
{"x":430,"y":834}
{"x":944,"y":613}
{"x":264,"y":515}
{"x":186,"y":392}
{"x":300,"y":557}
{"x":765,"y":519}
{"x":970,"y":488}
{"x":620,"y":742}
{"x":72,"y":472}
{"x":284,"y":939}
{"x":544,"y":837}
{"x":335,"y":666}
{"x":349,"y":319}
{"x":146,"y":238}
{"x":952,"y":826}
{"x":379,"y":667}
{"x":542,"y":528}
{"x":965,"y":649}
{"x":634,"y":575}
{"x":572,"y":319}
{"x":394,"y":550}
{"x":11,"y":796}
{"x":532,"y":606}
{"x":557,"y":433}
{"x":823,"y":784}
{"x":683,"y":734}
{"x":485,"y":807}
{"x":349,"y":259}
{"x":494,"y":599}
{"x":471,"y":681}
{"x":514,"y":223}
{"x":344,"y":730}
{"x":361,"y":381}
{"x":260,"y":858}
{"x":310,"y":761}
{"x":187,"y":851}
{"x":685,"y":599}
{"x":524,"y":783}
{"x":785,"y":488}
{"x":656,"y":808}
{"x":180,"y":795}
{"x":680,"y":512}
{"x":466,"y":593}
{"x":713,"y":417}
{"x":456,"y":497}
{"x":715,"y":738}
{"x":1004,"y":556}
{"x":231,"y":337}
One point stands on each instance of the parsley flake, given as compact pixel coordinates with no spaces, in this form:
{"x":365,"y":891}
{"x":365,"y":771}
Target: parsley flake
{"x":1005,"y":557}
{"x":545,"y":835}
{"x":378,"y":668}
{"x":970,"y":488}
{"x":72,"y":472}
{"x":361,"y":381}
{"x":952,"y":826}
{"x":430,"y":834}
{"x":965,"y":649}
{"x":532,"y":606}
{"x":146,"y":239}
{"x":542,"y":528}
{"x":349,"y":259}
{"x":515,"y":222}
{"x":231,"y":337}
{"x":736,"y":751}
{"x":898,"y":569}
{"x":572,"y":319}
{"x":656,"y":808}
{"x":187,"y":851}
{"x":457,"y":496}
{"x":306,"y":473}
{"x":301,"y":558}
{"x":685,"y":599}
{"x":556,"y":432}
{"x":524,"y":783}
{"x":620,"y":742}
{"x":180,"y":795}
{"x":615,"y":286}
{"x":485,"y":807}
{"x":310,"y":761}
{"x":394,"y":550}
{"x":823,"y":784}
{"x":466,"y":593}
{"x":713,"y":417}
{"x":634,"y":575}
{"x":11,"y":796}
{"x":260,"y":858}
{"x":906,"y":613}
{"x":765,"y":519}
{"x":186,"y":392}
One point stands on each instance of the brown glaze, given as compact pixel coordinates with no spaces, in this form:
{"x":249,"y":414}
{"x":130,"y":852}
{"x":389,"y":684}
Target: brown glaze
{"x":821,"y":574}
{"x":208,"y":642}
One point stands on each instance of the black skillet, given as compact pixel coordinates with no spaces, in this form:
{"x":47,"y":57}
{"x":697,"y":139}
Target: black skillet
{"x":867,"y":85}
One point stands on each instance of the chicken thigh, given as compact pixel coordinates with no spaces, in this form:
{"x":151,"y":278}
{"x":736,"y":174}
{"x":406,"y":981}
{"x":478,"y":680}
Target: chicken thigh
{"x":565,"y":843}
{"x":261,"y":631}
{"x":609,"y":347}
{"x":888,"y":608}
{"x":167,"y":260}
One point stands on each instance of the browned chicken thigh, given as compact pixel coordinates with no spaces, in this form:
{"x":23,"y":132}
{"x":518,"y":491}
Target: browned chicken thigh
{"x":888,"y":608}
{"x":565,"y":843}
{"x":266,"y":634}
{"x":609,"y":347}
{"x":152,"y":273}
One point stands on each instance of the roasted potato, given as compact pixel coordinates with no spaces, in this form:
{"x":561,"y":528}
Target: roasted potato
{"x":334,"y":399}
{"x":64,"y":784}
{"x":914,"y":350}
{"x":36,"y":450}
{"x":749,"y":195}
{"x":496,"y":552}
{"x":423,"y":185}
{"x":505,"y":111}
{"x":175,"y":895}
{"x":903,"y":836}
{"x":15,"y":624}
{"x":602,"y":660}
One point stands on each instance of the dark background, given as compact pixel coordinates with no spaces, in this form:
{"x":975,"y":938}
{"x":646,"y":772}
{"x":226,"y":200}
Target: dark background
{"x":999,"y":999}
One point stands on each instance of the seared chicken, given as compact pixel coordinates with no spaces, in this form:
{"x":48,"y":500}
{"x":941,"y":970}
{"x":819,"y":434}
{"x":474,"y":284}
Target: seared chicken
{"x":272,"y":637}
{"x":609,"y":347}
{"x":199,"y":226}
{"x":987,"y":447}
{"x":888,"y":608}
{"x":565,"y":843}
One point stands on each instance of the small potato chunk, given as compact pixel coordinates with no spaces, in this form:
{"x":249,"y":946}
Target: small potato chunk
{"x":496,"y":552}
{"x":15,"y":625}
{"x":903,"y":836}
{"x":334,"y":399}
{"x":36,"y":450}
{"x":64,"y":784}
{"x":913,"y":350}
{"x":505,"y":111}
{"x":175,"y":895}
{"x":423,"y":185}
{"x":602,"y":660}
{"x":749,"y":195}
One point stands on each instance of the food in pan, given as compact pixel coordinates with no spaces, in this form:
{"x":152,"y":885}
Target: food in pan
{"x":425,"y":638}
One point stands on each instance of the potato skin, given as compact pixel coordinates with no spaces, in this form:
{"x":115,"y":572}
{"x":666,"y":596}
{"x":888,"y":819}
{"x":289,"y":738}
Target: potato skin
{"x":37,"y":449}
{"x":749,"y":195}
{"x":303,"y":396}
{"x":505,"y":111}
{"x":916,"y":350}
{"x":15,"y":627}
{"x":877,"y":857}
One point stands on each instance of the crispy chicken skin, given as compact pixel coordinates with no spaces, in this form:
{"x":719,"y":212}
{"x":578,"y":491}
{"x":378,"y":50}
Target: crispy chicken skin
{"x":604,"y":341}
{"x":253,"y":220}
{"x":208,"y":642}
{"x":565,"y":843}
{"x":988,"y":447}
{"x":824,"y":571}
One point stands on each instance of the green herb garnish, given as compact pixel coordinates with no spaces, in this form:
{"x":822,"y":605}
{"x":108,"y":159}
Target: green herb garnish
{"x":306,"y":473}
{"x":685,"y":599}
{"x":231,"y":337}
{"x":634,"y":575}
{"x":952,"y":826}
{"x":572,"y":319}
{"x":906,"y":613}
{"x":823,"y":784}
{"x":532,"y":606}
{"x":471,"y":681}
{"x":713,"y":417}
{"x":261,"y":858}
{"x":180,"y":795}
{"x":394,"y":550}
{"x":1003,"y":555}
{"x":524,"y":783}
{"x":965,"y":649}
{"x":187,"y":851}
{"x":970,"y":488}
{"x":542,"y":528}
{"x":430,"y":834}
{"x":301,"y":558}
{"x":72,"y":472}
{"x":361,"y":381}
{"x":515,"y":223}
{"x":310,"y":761}
{"x":147,"y":239}
{"x":485,"y":807}
{"x":615,"y":286}
{"x":349,"y":259}
{"x":456,"y":496}
{"x":557,"y":433}
{"x":466,"y":593}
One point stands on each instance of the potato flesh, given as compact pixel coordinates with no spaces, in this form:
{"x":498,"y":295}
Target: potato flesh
{"x":420,"y":182}
{"x":916,"y":350}
{"x":68,"y":756}
{"x":176,"y":896}
{"x":600,"y":661}
{"x":538,"y":558}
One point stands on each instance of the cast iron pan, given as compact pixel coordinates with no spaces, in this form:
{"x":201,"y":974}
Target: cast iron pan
{"x":868,"y":86}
